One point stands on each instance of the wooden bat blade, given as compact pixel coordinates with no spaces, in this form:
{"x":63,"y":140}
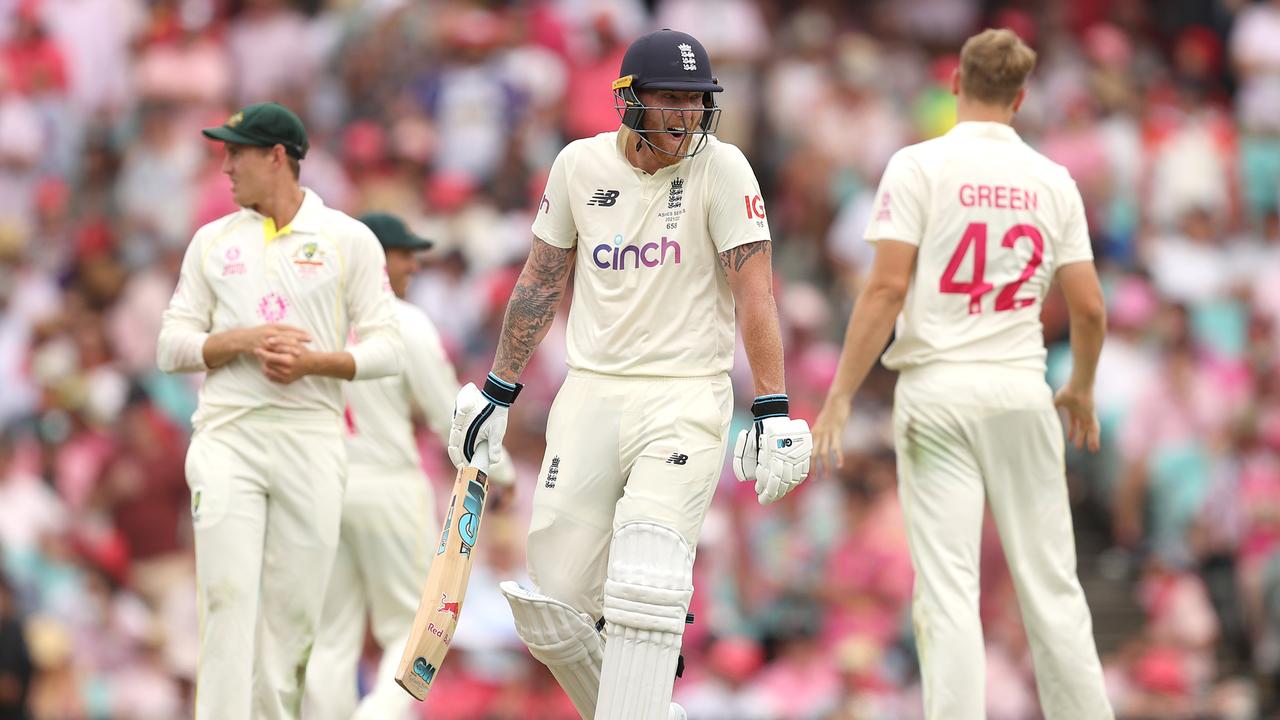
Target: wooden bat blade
{"x":446,"y":585}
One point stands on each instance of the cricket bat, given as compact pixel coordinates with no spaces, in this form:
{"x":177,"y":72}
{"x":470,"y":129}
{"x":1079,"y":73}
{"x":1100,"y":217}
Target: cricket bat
{"x":446,"y":584}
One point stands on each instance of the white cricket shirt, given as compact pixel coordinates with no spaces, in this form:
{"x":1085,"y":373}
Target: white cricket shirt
{"x":649,"y":296}
{"x":378,"y":415}
{"x":993,"y":220}
{"x":323,"y":272}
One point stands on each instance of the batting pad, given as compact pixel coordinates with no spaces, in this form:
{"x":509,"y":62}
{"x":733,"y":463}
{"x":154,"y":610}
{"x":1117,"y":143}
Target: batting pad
{"x":646,"y":596}
{"x":563,"y":639}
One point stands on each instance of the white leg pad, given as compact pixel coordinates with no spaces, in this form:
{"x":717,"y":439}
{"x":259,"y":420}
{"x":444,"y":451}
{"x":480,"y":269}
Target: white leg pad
{"x":646,"y":597}
{"x":563,"y":639}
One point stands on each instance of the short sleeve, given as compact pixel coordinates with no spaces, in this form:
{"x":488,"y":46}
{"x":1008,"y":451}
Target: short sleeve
{"x":1073,"y":245}
{"x":735,"y":210}
{"x":900,"y":204}
{"x":554,"y":223}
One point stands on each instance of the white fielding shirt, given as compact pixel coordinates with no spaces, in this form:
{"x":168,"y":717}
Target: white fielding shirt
{"x":649,"y":297}
{"x":993,"y":220}
{"x":324,"y":272}
{"x":378,"y":416}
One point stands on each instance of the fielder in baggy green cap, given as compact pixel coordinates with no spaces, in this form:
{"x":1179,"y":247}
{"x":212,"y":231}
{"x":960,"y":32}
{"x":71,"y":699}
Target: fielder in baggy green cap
{"x":264,"y":125}
{"x":392,"y":232}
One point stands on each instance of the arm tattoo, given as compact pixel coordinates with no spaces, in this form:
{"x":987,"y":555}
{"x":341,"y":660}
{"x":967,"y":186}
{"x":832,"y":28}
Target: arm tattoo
{"x":737,"y":257}
{"x":532,"y":306}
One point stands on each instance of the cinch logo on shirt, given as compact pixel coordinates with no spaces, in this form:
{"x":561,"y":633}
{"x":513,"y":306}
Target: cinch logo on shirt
{"x":604,"y":198}
{"x":619,"y":257}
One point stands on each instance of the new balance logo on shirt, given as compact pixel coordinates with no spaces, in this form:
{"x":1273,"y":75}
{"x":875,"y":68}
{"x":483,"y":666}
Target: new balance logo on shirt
{"x":604,"y":198}
{"x":677,"y":459}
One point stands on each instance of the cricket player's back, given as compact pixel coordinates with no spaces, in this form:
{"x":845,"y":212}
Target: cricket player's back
{"x":993,"y":220}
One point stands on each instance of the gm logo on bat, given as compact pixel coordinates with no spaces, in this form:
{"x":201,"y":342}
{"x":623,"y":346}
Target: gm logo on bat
{"x":469,"y":523}
{"x":786,"y":442}
{"x":448,"y":523}
{"x":424,"y":670}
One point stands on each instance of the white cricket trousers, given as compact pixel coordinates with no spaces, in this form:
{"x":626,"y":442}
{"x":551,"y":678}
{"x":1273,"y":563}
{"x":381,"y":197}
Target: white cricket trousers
{"x":266,"y":499}
{"x":965,"y":432}
{"x":622,"y":449}
{"x":388,"y":528}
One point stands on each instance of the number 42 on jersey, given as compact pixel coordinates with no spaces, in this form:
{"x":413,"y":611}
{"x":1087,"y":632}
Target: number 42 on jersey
{"x":975,"y":238}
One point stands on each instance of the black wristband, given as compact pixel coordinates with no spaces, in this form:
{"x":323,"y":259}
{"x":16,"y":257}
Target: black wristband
{"x":499,"y":391}
{"x":770,"y":406}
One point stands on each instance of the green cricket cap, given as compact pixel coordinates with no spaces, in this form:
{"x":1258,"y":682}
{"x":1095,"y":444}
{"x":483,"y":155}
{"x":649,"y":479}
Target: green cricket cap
{"x":392,"y":232}
{"x":264,"y":125}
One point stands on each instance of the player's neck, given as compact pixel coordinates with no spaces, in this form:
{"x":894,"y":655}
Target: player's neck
{"x":641,"y":155}
{"x":282,"y":204}
{"x":969,"y":111}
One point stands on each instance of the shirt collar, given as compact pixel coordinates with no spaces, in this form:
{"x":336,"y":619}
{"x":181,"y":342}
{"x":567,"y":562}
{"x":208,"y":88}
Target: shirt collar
{"x":306,"y":220}
{"x":985,"y":129}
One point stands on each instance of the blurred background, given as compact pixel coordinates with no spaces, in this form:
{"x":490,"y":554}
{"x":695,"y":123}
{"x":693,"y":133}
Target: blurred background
{"x":449,"y":113}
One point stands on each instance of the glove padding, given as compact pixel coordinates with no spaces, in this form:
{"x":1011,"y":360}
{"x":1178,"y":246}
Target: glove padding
{"x":774,"y":452}
{"x":476,"y":419}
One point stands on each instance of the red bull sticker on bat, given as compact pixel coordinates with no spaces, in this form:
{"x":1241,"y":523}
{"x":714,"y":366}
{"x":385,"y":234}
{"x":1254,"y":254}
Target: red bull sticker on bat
{"x":448,"y":607}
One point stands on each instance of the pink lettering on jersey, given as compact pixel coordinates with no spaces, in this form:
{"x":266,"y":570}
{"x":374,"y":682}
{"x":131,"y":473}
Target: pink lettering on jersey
{"x":232,"y":266}
{"x":1002,"y":197}
{"x":755,"y":206}
{"x":884,"y":213}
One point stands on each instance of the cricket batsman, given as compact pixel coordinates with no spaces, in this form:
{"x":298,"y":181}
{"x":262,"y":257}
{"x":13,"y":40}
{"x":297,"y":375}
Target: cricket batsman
{"x":389,"y":528}
{"x":665,"y":231}
{"x":970,"y":229}
{"x":264,"y":303}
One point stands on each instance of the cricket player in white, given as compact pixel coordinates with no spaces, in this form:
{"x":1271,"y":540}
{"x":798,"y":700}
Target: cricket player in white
{"x":665,"y":232}
{"x":266,"y":298}
{"x":970,"y":229}
{"x":389,"y":529}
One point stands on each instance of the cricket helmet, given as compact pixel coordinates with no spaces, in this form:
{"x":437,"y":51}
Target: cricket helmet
{"x":666,"y":60}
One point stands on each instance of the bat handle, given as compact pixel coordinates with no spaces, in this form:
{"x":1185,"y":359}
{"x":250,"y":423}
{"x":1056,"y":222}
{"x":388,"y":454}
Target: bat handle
{"x":480,"y":459}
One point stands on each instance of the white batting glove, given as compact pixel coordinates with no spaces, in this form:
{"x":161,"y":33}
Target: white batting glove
{"x":503,"y":473}
{"x":774,"y":452}
{"x":481,"y":415}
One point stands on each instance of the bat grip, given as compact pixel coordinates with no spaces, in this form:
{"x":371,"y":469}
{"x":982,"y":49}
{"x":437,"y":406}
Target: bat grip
{"x":480,"y":459}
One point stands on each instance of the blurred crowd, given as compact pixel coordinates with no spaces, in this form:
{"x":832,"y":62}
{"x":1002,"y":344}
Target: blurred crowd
{"x":449,"y":113}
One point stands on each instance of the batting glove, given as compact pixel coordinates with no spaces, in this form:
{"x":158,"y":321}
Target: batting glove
{"x":774,"y":452}
{"x":481,"y":415}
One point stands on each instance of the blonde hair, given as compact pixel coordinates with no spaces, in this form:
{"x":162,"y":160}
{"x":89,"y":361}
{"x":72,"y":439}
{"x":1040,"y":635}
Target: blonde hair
{"x":994,"y":65}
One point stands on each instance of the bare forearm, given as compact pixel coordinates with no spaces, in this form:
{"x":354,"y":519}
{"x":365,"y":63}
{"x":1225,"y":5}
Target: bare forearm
{"x":869,"y":329}
{"x":1087,"y":333}
{"x":749,"y":269}
{"x":223,"y":347}
{"x":762,"y":338}
{"x":532,"y":307}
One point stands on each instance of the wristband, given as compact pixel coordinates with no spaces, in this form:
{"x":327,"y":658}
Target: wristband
{"x":770,"y":406}
{"x":499,"y":391}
